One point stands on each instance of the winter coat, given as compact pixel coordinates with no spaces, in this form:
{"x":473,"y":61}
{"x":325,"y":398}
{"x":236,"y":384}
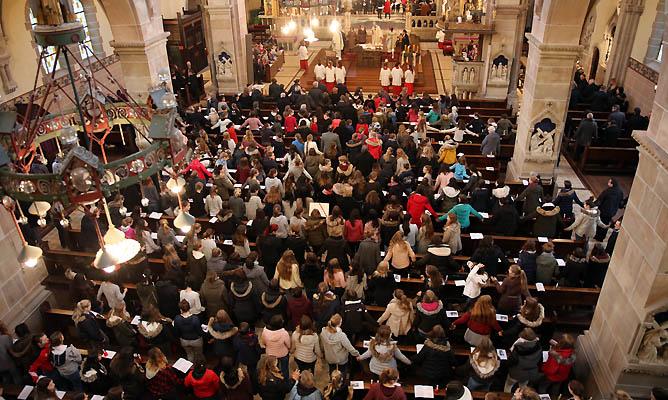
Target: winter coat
{"x":299,"y":392}
{"x":548,"y":220}
{"x":275,"y":389}
{"x":483,"y":373}
{"x":89,"y":330}
{"x":546,"y":268}
{"x":596,"y":271}
{"x":609,"y":202}
{"x":398,"y":319}
{"x":244,"y":302}
{"x":356,"y":318}
{"x":382,"y":288}
{"x":336,"y":346}
{"x":532,"y":196}
{"x":204,"y":386}
{"x":223,"y":335}
{"x":162,"y":382}
{"x":416,"y":206}
{"x":257,"y":276}
{"x":511,"y":292}
{"x":587,"y":130}
{"x":124,"y":332}
{"x":558,"y":366}
{"x":242,"y":390}
{"x":586,"y":222}
{"x":440,"y":256}
{"x":188,"y":328}
{"x":428,"y":315}
{"x":368,"y":255}
{"x":383,"y":356}
{"x":316,"y":231}
{"x":452,"y":236}
{"x":491,"y":144}
{"x":381,"y":392}
{"x":506,"y":220}
{"x":214,"y":295}
{"x":306,"y":348}
{"x":573,"y":274}
{"x":515,"y":326}
{"x":524,"y":359}
{"x":565,"y":199}
{"x":296,"y":308}
{"x":493,"y":258}
{"x":168,"y":298}
{"x":324,"y":308}
{"x":273,"y":303}
{"x":436,"y":359}
{"x":66,"y":359}
{"x":247,"y":349}
{"x":527,"y":260}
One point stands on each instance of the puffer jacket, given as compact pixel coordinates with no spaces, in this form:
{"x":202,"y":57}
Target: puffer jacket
{"x":548,"y":220}
{"x":436,"y":359}
{"x":223,"y":335}
{"x":429,"y":315}
{"x":558,"y":366}
{"x":483,"y":373}
{"x":525,"y":357}
{"x":565,"y":199}
{"x":273,"y":303}
{"x":356,"y":318}
{"x":244,"y":302}
{"x":336,"y":346}
{"x":586,"y":222}
{"x":517,"y":324}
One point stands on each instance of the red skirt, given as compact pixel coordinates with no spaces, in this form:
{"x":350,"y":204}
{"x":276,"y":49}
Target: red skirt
{"x":386,"y":88}
{"x":396,"y":90}
{"x":441,"y":45}
{"x":330,"y":86}
{"x":409,"y":88}
{"x":303,"y":64}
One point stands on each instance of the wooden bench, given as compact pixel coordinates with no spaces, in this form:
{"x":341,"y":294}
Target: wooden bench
{"x":609,"y":159}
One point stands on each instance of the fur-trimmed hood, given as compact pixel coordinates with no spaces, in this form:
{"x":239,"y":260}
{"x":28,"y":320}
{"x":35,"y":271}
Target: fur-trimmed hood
{"x":421,"y":308}
{"x":241,"y":290}
{"x":271,"y":299}
{"x":537,"y":322}
{"x":114,"y":321}
{"x":450,"y":192}
{"x":592,"y":213}
{"x":149,"y":329}
{"x":501,"y":193}
{"x":240,"y":380}
{"x":548,"y":210}
{"x":439,"y":250}
{"x":221,"y":331}
{"x":484,"y":371}
{"x":443,"y":345}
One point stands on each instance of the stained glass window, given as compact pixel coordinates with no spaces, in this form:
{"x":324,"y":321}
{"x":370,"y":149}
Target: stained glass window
{"x":81,"y":17}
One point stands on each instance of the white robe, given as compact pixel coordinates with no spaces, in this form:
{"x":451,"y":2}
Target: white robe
{"x":302,"y":52}
{"x":385,"y":75}
{"x":397,"y":74}
{"x":340,"y":74}
{"x":319,"y":71}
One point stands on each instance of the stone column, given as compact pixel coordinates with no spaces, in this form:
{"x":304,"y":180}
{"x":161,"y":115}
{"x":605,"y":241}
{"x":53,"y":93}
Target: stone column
{"x":617,"y":352}
{"x":625,"y":33}
{"x":553,"y":49}
{"x":227,"y":30}
{"x":21,"y":291}
{"x":507,"y":41}
{"x":93,"y":27}
{"x":9,"y":85}
{"x":141,"y":61}
{"x":658,"y":29}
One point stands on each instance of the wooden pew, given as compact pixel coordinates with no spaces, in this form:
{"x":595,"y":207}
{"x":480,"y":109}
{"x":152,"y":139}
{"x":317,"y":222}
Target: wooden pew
{"x":609,"y":159}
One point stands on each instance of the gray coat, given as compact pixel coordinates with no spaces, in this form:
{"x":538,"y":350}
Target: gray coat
{"x":526,"y":357}
{"x":328,"y":138}
{"x":491,"y":144}
{"x":586,"y":132}
{"x":368,"y":255}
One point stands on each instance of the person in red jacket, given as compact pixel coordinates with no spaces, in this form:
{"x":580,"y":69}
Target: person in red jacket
{"x":417,"y":203}
{"x":480,"y":321}
{"x":290,"y":122}
{"x":205,"y":382}
{"x":42,"y":364}
{"x":385,"y":389}
{"x":353,"y":230}
{"x":298,"y":305}
{"x":197,"y":166}
{"x":557,"y":368}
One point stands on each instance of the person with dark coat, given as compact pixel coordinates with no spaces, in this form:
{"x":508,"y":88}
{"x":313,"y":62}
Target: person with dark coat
{"x":612,"y":239}
{"x":168,"y":298}
{"x":273,"y":302}
{"x":512,"y":290}
{"x":610,"y":135}
{"x":547,"y":219}
{"x":247,"y":349}
{"x":335,"y":247}
{"x":368,"y":253}
{"x":636,"y":122}
{"x":272,"y":384}
{"x":325,"y":304}
{"x":608,"y":204}
{"x":222,"y":331}
{"x":505,"y":218}
{"x":429,"y":312}
{"x":599,"y":261}
{"x":270,"y":249}
{"x":565,"y":199}
{"x":491,"y":256}
{"x":531,"y":196}
{"x":87,"y":326}
{"x":601,"y":100}
{"x":527,"y":260}
{"x":524,"y":357}
{"x":573,"y":273}
{"x":382,"y":284}
{"x":587,"y":131}
{"x":357,"y":321}
{"x":244,"y":301}
{"x":531,"y":315}
{"x":436,"y":360}
{"x":440,"y":255}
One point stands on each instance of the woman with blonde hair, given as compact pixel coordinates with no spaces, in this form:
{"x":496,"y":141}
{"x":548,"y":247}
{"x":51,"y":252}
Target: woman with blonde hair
{"x":273,"y":385}
{"x":118,"y":320}
{"x":399,"y":252}
{"x":484,"y":363}
{"x":512,"y":290}
{"x":425,"y":234}
{"x":336,"y":345}
{"x":382,"y":284}
{"x":338,"y":387}
{"x":161,"y":380}
{"x":335,"y":223}
{"x":383,"y":352}
{"x":399,"y":314}
{"x":87,"y":326}
{"x":480,"y":321}
{"x":452,"y":233}
{"x":403,"y":164}
{"x":287,"y":271}
{"x":166,"y":235}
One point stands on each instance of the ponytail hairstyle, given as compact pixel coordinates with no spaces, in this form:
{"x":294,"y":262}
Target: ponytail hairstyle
{"x":406,"y":225}
{"x":434,"y":276}
{"x":404,"y":301}
{"x":80,"y":311}
{"x":335,"y":383}
{"x":333,"y":323}
{"x":516,"y":270}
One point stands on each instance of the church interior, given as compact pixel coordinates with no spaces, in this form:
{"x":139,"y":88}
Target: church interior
{"x":428,"y":192}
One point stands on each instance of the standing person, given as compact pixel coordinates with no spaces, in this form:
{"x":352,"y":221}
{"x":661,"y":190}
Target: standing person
{"x":383,"y":352}
{"x":480,"y":321}
{"x":205,"y":382}
{"x":557,"y":368}
{"x":302,"y":53}
{"x":330,"y":77}
{"x":387,"y":8}
{"x":336,"y":345}
{"x":67,"y":360}
{"x":525,"y":355}
{"x":608,"y":203}
{"x":386,"y":388}
{"x":340,"y":73}
{"x":162,"y":381}
{"x":319,"y":72}
{"x":409,"y":80}
{"x":397,"y":75}
{"x":586,"y":132}
{"x":276,"y":342}
{"x":8,"y":370}
{"x":188,"y":328}
{"x":273,"y":385}
{"x":306,"y":345}
{"x":385,"y":78}
{"x":399,"y":314}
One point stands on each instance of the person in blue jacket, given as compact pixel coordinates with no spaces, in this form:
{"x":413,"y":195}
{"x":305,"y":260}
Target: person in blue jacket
{"x":463,"y":210}
{"x":460,"y":169}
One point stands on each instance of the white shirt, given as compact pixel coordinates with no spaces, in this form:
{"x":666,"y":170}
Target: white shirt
{"x":474,"y":282}
{"x":409,"y":76}
{"x":440,"y":36}
{"x":385,"y":77}
{"x":302,"y":52}
{"x":329,"y":74}
{"x":340,"y":74}
{"x":192,"y":297}
{"x":319,"y":71}
{"x":397,"y":74}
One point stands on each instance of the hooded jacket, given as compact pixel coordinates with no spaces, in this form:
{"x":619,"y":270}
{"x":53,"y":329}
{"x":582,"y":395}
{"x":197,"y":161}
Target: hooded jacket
{"x":436,"y":359}
{"x":381,"y":392}
{"x":416,"y":206}
{"x":506,"y":219}
{"x":546,"y":268}
{"x":336,"y":346}
{"x":573,"y":274}
{"x":398,"y":319}
{"x":242,"y":390}
{"x":324,"y":307}
{"x":429,"y":315}
{"x":368,"y":255}
{"x":300,"y":392}
{"x":124,"y":332}
{"x":66,"y":359}
{"x":214,"y":295}
{"x":244,"y":302}
{"x":223,"y":335}
{"x":586,"y":222}
{"x":548,"y":220}
{"x":306,"y":348}
{"x":383,"y":356}
{"x":558,"y":366}
{"x":273,"y":303}
{"x":356,"y":318}
{"x":517,"y":324}
{"x":483,"y":372}
{"x":565,"y":199}
{"x":524,"y":359}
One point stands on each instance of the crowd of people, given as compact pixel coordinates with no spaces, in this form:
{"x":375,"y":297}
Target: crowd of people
{"x":303,"y":238}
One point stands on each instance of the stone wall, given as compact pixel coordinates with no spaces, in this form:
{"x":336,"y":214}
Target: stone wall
{"x":639,"y":90}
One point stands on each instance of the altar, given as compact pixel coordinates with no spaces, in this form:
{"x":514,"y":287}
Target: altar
{"x":371,"y":55}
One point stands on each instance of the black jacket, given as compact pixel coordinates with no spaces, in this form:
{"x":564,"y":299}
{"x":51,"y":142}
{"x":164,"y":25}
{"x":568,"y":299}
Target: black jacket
{"x":548,"y":220}
{"x":188,"y":328}
{"x":89,"y":330}
{"x":506,"y":220}
{"x":609,"y":202}
{"x":425,"y":320}
{"x":275,"y":389}
{"x":382,"y":289}
{"x":436,"y":360}
{"x":273,"y":303}
{"x":356,"y":318}
{"x":493,"y":258}
{"x":244,"y":302}
{"x":168,"y":298}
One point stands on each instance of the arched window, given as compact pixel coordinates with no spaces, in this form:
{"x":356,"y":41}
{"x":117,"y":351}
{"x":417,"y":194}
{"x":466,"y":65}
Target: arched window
{"x":81,"y":17}
{"x":49,"y":59}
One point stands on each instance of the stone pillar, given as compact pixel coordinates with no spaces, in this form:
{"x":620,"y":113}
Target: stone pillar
{"x":93,"y":27}
{"x":141,"y":61}
{"x":553,"y":49}
{"x":507,"y":41}
{"x":21,"y":291}
{"x":625,"y":33}
{"x":227,"y":30}
{"x":9,"y":85}
{"x":618,"y":350}
{"x":658,"y":29}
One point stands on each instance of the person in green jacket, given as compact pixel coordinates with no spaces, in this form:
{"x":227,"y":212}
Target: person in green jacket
{"x":463,"y":210}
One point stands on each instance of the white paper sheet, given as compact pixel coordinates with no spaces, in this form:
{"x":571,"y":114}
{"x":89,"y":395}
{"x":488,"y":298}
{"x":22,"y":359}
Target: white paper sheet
{"x":437,"y":196}
{"x":180,"y":237}
{"x":484,"y":214}
{"x":213,"y":220}
{"x":209,"y":184}
{"x":490,"y":156}
{"x":237,"y":185}
{"x":489,"y":168}
{"x":154,"y":235}
{"x":501,"y":317}
{"x":561,"y":262}
{"x":249,"y":223}
{"x":397,"y":278}
{"x":27,"y":389}
{"x":543,"y":239}
{"x":60,"y":394}
{"x":544,"y":396}
{"x":182,"y":365}
{"x":357,"y":385}
{"x":525,"y":182}
{"x":424,"y":391}
{"x":419,"y":347}
{"x":155,"y":215}
{"x":545,"y":356}
{"x":227,"y":242}
{"x":97,"y":397}
{"x":460,"y":282}
{"x":540,"y":287}
{"x":502,"y":354}
{"x":476,"y":236}
{"x":108,"y":354}
{"x":366,"y":343}
{"x":205,"y":328}
{"x":452,"y":314}
{"x":136,"y":320}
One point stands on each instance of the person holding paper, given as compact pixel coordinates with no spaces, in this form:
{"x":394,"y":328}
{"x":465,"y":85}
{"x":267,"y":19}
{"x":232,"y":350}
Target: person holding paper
{"x":336,"y":345}
{"x":484,"y":363}
{"x":382,"y":284}
{"x":491,"y":256}
{"x":87,"y":327}
{"x":475,"y":281}
{"x":436,"y":359}
{"x":531,"y":315}
{"x":512,"y":289}
{"x":574,"y":272}
{"x":119,"y":320}
{"x":94,"y":375}
{"x":526,"y":355}
{"x":463,"y":210}
{"x":557,"y":368}
{"x":386,"y":388}
{"x":383,"y":352}
{"x":480,"y":321}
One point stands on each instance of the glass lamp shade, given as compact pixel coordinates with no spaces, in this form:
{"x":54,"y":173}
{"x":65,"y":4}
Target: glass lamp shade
{"x":184,"y":222}
{"x":176,"y":184}
{"x":113,"y":235}
{"x":108,"y":257}
{"x":39,"y":208}
{"x":168,"y":100}
{"x":29,"y":255}
{"x":69,"y":136}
